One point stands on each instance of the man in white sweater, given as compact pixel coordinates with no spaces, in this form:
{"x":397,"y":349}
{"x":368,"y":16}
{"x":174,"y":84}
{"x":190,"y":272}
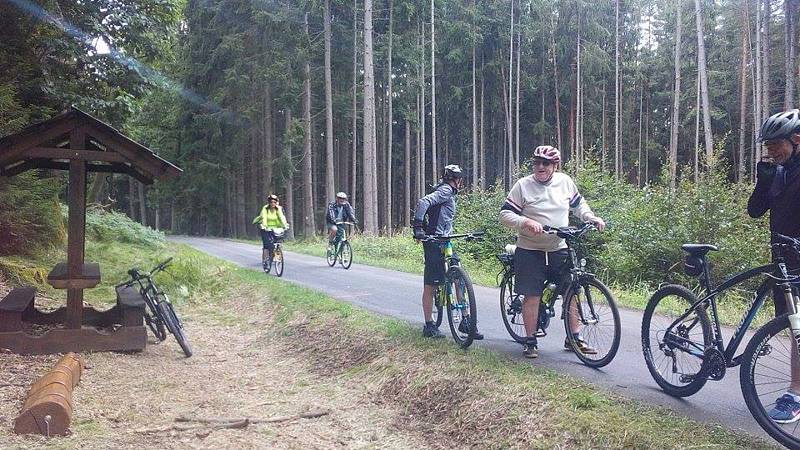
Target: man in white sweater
{"x":545,"y":197}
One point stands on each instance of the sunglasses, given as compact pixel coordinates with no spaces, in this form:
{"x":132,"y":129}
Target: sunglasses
{"x":542,"y":162}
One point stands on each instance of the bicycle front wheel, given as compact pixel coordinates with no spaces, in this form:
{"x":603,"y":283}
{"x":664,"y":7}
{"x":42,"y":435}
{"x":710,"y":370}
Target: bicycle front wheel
{"x":153,"y":319}
{"x":330,"y":255}
{"x":511,"y":310}
{"x":592,"y":313}
{"x":346,"y":255}
{"x":675,"y":358}
{"x":278,"y":261}
{"x":766,"y":375}
{"x":461,"y":312}
{"x":438,"y":305}
{"x":175,"y":327}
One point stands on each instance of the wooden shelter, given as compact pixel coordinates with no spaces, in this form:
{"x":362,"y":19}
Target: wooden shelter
{"x":79,"y":143}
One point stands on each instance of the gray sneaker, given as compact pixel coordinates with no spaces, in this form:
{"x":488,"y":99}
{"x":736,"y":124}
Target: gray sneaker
{"x":431,"y":330}
{"x":531,"y":349}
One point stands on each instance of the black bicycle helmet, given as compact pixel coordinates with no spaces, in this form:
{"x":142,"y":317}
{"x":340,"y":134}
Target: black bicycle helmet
{"x":780,"y":126}
{"x":452,"y":172}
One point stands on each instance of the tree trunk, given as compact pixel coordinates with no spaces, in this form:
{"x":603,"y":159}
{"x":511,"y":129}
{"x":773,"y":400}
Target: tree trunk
{"x":639,"y":157}
{"x":765,"y":98}
{"x":789,"y":49}
{"x":329,"y":176}
{"x":132,"y":198}
{"x":516,"y":110}
{"x":555,"y":79}
{"x":354,"y":159}
{"x":309,"y":227}
{"x":742,"y":107}
{"x":434,"y":158}
{"x":697,"y":131}
{"x":423,"y":153}
{"x":369,"y":164}
{"x":269,"y":142}
{"x":239,"y":212}
{"x":289,"y":197}
{"x":604,"y":132}
{"x":617,"y":100}
{"x":142,"y":204}
{"x":701,"y":67}
{"x":406,"y":217}
{"x":578,"y":96}
{"x":482,"y":149}
{"x":757,"y":88}
{"x":673,"y":139}
{"x":508,"y":156}
{"x":509,"y":102}
{"x":475,"y":166}
{"x":390,"y":132}
{"x":418,"y":169}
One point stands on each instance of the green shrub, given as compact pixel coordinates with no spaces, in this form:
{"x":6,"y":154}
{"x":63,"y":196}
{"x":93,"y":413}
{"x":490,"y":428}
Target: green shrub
{"x":29,"y":214}
{"x":108,"y":226}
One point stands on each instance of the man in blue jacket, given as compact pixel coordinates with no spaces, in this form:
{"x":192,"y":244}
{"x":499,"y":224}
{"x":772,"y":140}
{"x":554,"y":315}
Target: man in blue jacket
{"x":440,"y":207}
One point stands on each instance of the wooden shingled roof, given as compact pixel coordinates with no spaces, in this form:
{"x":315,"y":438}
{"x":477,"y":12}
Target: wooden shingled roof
{"x":46,"y":145}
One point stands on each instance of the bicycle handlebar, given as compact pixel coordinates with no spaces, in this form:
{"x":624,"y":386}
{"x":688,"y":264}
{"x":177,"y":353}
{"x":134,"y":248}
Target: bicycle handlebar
{"x":570,"y":232}
{"x":475,"y":235}
{"x":137,"y":274}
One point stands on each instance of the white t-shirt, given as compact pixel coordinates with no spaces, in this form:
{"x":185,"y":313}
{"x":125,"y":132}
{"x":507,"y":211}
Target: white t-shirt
{"x":547,"y":203}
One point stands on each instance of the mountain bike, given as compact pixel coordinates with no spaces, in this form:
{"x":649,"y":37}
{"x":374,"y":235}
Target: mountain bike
{"x":159,"y":314}
{"x":586,"y":303}
{"x":277,"y":260}
{"x":683,"y":348}
{"x":340,"y":249}
{"x":456,"y":296}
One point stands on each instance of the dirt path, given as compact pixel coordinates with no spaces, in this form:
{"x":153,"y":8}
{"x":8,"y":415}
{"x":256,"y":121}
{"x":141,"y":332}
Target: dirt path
{"x":241,"y":368}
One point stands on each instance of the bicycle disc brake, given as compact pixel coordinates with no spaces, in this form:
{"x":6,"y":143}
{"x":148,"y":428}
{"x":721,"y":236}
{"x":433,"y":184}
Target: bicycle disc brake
{"x":713,"y":366}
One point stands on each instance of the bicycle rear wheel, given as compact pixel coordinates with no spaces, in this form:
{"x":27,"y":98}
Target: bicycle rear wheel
{"x":153,"y":319}
{"x":346,"y":255}
{"x":461,"y":312}
{"x":591,"y":306}
{"x":675,"y":360}
{"x":511,"y":311}
{"x":175,"y":327}
{"x":330,"y":255}
{"x":278,"y":261}
{"x":766,"y":374}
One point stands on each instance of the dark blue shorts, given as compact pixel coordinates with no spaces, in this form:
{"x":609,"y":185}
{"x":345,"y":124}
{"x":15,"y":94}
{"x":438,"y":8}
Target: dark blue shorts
{"x":434,"y":263}
{"x":532,"y":269}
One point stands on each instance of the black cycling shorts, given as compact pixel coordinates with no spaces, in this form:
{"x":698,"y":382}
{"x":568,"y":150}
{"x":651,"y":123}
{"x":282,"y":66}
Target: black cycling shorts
{"x":434,"y":263}
{"x":267,"y":239}
{"x":532,"y":268}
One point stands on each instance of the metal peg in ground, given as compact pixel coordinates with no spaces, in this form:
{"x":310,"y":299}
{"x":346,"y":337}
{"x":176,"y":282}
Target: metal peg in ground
{"x":48,"y":405}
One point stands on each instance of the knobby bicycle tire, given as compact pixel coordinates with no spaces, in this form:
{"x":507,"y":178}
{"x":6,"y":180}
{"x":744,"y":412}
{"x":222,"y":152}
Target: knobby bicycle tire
{"x":459,"y":277}
{"x":153,"y":319}
{"x":346,"y":249}
{"x":747,"y":374}
{"x":331,"y":254}
{"x":278,"y":261}
{"x":175,"y":327}
{"x":570,"y":296}
{"x":687,"y":298}
{"x":506,"y":297}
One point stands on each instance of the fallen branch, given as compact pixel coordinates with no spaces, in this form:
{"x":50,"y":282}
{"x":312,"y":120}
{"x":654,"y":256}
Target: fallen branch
{"x":313,"y":414}
{"x":237,"y":424}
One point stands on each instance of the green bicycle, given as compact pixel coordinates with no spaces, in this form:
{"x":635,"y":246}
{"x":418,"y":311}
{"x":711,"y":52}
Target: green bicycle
{"x":456,"y":294}
{"x":340,"y":249}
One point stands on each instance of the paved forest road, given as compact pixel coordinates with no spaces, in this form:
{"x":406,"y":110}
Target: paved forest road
{"x":397,"y":294}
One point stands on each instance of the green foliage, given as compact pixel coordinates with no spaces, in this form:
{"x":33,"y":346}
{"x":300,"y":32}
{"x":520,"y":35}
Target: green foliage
{"x":113,"y":226}
{"x":646,"y":227}
{"x":29,"y":214}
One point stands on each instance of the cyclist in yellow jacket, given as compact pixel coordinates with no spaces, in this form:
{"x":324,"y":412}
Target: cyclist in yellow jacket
{"x":272,"y":224}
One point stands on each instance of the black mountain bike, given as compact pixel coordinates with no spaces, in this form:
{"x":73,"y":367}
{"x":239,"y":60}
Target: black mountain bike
{"x":159,"y":314}
{"x":684,"y":349}
{"x":456,"y":294}
{"x":340,"y":250}
{"x":586,"y":303}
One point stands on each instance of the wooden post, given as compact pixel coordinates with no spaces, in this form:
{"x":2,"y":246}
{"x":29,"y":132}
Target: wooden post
{"x":76,"y":228}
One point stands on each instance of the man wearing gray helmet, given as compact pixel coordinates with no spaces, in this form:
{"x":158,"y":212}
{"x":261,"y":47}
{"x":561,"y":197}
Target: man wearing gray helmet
{"x":777,"y":191}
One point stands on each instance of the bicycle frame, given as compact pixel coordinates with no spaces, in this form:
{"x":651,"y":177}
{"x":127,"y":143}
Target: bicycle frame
{"x":710,"y":299}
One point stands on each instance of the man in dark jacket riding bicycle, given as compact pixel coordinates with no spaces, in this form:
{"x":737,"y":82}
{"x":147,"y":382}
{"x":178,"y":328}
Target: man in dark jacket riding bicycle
{"x":339,"y":210}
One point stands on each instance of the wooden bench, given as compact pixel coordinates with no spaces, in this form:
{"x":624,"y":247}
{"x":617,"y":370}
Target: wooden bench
{"x":131,"y":306}
{"x":14,"y":306}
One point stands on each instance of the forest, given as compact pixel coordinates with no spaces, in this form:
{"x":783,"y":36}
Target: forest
{"x":373,"y":97}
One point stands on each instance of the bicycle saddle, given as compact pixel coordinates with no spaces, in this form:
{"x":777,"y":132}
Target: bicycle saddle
{"x":698,"y":249}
